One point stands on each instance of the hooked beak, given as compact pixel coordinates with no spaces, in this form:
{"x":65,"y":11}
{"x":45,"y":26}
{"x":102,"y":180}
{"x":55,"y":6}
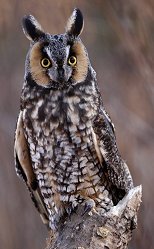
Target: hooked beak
{"x":62,"y":77}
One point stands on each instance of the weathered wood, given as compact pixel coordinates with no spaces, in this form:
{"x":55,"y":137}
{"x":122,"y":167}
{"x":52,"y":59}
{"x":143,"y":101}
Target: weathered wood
{"x":112,"y":230}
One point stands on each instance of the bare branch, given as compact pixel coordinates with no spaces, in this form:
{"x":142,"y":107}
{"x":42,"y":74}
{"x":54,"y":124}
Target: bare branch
{"x":112,"y":230}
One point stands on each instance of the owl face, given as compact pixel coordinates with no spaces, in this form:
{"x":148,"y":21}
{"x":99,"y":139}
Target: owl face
{"x":56,"y":61}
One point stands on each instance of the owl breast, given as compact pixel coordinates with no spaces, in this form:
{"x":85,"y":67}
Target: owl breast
{"x":59,"y":132}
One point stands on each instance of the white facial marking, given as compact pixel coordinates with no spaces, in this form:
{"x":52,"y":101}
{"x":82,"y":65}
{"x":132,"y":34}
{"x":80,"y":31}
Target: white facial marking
{"x":67,"y":52}
{"x":48,"y":51}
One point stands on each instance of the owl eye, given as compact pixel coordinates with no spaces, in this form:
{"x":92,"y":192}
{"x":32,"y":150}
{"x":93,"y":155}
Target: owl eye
{"x":45,"y":62}
{"x":72,"y":61}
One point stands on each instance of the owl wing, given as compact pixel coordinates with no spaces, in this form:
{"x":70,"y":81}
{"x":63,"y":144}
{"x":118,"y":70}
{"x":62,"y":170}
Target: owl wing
{"x":24,"y":169}
{"x":116,"y":170}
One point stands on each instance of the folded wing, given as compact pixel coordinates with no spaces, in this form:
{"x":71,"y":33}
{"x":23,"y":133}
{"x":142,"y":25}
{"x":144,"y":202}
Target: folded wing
{"x":25,"y":171}
{"x":115,"y":169}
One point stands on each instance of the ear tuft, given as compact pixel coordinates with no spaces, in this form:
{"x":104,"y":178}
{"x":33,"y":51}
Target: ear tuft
{"x":31,"y":28}
{"x":75,"y":23}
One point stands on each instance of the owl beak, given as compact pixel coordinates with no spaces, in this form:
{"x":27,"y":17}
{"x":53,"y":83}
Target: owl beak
{"x":61,"y":77}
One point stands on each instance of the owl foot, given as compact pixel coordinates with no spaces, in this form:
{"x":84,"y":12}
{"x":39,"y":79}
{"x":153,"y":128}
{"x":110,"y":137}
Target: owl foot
{"x":89,"y":205}
{"x":69,"y":210}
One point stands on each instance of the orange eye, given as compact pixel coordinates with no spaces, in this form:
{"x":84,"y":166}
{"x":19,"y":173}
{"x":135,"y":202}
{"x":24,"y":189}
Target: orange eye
{"x":45,"y":62}
{"x":72,"y":61}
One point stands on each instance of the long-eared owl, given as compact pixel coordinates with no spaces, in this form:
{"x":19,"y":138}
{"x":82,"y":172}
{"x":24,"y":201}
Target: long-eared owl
{"x":65,"y":145}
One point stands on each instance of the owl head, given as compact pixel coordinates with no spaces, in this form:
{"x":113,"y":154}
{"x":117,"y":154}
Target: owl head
{"x":56,"y":61}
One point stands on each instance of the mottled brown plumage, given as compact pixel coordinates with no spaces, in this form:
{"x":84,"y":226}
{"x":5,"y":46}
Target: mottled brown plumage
{"x":71,"y":152}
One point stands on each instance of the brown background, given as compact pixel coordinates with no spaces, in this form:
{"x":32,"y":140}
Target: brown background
{"x":119,"y":36}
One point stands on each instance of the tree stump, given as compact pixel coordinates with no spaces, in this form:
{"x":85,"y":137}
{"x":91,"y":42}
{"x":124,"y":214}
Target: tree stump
{"x":112,"y":230}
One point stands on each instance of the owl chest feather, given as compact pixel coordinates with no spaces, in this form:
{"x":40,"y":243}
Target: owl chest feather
{"x":62,"y":124}
{"x":62,"y":147}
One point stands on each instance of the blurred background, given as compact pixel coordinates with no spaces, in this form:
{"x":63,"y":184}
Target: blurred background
{"x":119,"y":36}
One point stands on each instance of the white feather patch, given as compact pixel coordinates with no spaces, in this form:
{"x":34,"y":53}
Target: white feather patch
{"x":48,"y":51}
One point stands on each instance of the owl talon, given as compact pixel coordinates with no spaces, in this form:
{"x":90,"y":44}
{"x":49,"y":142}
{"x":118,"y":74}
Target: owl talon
{"x":69,"y":211}
{"x":89,"y":206}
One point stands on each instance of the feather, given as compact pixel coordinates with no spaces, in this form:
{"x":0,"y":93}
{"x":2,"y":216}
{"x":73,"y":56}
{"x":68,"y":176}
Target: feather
{"x":25,"y":171}
{"x":118,"y":174}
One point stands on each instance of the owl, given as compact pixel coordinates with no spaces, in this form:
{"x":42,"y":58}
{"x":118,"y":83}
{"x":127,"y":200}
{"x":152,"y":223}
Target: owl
{"x":65,"y":145}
